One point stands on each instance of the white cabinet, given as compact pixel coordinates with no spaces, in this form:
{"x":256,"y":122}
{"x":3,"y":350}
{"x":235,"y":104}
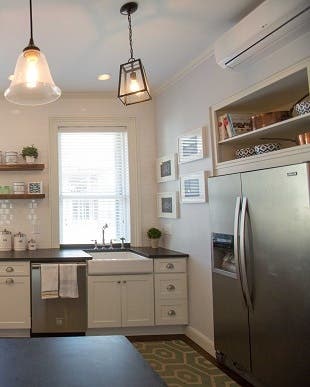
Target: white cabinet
{"x":277,"y":93}
{"x":120,"y":301}
{"x":171,"y":301}
{"x":14,"y":295}
{"x":104,"y":301}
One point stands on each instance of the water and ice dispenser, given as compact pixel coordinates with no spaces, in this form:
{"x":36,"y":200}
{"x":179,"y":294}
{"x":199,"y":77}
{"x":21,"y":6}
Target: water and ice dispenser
{"x":223,"y":253}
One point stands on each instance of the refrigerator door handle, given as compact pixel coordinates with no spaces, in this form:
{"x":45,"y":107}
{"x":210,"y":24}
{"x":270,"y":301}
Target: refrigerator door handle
{"x":236,"y":232}
{"x":236,"y":243}
{"x":242,"y":254}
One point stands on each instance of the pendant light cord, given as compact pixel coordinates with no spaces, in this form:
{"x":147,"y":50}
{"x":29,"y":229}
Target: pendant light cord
{"x":130,"y":38}
{"x":31,"y":33}
{"x":31,"y":45}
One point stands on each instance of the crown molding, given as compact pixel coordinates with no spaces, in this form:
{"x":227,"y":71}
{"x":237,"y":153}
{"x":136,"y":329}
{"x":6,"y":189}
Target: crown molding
{"x":186,"y":70}
{"x":89,"y":95}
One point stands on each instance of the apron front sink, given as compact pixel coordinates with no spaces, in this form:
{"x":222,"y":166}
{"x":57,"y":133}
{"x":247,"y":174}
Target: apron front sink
{"x":125,"y":262}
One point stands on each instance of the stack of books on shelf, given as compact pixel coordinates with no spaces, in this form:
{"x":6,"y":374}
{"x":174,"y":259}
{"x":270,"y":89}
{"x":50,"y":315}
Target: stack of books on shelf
{"x":233,"y":124}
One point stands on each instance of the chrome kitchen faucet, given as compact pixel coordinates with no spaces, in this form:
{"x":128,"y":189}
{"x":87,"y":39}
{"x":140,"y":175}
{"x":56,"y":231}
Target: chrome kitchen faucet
{"x":103,"y":230}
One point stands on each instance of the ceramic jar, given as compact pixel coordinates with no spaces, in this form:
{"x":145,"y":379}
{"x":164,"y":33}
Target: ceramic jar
{"x":11,"y":157}
{"x":5,"y":240}
{"x":20,"y":242}
{"x":19,"y":188}
{"x":32,"y":244}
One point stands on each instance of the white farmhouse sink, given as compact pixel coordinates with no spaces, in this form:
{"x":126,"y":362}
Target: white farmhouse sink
{"x":118,"y":262}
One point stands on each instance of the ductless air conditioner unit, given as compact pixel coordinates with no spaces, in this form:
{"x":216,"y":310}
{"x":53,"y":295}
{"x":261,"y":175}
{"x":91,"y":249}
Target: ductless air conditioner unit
{"x":272,"y":24}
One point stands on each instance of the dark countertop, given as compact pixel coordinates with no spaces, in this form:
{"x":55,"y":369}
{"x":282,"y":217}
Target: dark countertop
{"x":78,"y":255}
{"x":103,"y":361}
{"x":160,"y":252}
{"x":46,"y":255}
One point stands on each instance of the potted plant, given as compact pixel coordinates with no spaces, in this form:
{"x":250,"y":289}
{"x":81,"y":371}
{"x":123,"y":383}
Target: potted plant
{"x":30,"y":153}
{"x":154,"y":234}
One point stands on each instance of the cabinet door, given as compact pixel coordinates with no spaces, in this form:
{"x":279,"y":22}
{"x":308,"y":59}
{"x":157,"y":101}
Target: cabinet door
{"x":138,"y":300}
{"x":104,"y":301}
{"x":15,"y":302}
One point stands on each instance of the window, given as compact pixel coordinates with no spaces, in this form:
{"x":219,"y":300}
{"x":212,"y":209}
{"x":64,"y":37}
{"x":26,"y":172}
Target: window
{"x":93,"y":185}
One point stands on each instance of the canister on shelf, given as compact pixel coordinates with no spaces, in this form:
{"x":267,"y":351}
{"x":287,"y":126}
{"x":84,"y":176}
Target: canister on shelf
{"x":11,"y":157}
{"x":20,"y":241}
{"x":7,"y":189}
{"x":19,"y":188}
{"x":5,"y":240}
{"x":303,"y":138}
{"x":32,"y":244}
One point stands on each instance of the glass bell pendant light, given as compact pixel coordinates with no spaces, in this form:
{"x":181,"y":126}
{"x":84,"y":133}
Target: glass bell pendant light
{"x":133,"y":86}
{"x":32,"y":83}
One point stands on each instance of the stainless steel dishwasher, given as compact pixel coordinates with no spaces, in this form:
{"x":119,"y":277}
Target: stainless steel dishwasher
{"x":58,"y":315}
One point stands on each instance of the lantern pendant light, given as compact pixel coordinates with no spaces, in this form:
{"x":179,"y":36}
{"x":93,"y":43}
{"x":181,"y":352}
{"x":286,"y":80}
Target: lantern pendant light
{"x":132,"y":86}
{"x":32,"y":83}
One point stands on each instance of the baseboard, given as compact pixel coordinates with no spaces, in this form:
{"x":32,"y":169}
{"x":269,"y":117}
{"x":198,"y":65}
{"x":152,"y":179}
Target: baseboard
{"x":200,"y":339}
{"x":15,"y":333}
{"x":137,"y":331}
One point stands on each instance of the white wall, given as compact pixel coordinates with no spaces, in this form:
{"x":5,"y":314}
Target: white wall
{"x":22,"y":126}
{"x":185,"y":106}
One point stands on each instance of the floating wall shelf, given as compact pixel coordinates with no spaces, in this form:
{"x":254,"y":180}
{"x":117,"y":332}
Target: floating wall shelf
{"x":21,"y":167}
{"x":22,"y":196}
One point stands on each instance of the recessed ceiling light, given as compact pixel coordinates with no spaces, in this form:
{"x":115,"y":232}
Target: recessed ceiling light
{"x":10,"y":77}
{"x":104,"y":77}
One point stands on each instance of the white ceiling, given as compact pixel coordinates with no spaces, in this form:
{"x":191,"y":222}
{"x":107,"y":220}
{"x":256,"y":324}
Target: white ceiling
{"x":84,"y":38}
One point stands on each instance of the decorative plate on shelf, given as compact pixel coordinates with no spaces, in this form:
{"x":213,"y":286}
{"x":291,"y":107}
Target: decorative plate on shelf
{"x":265,"y":148}
{"x":35,"y":187}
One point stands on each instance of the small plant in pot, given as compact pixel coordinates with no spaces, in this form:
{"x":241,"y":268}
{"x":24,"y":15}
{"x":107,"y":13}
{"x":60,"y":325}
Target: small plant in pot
{"x":30,"y":154}
{"x":154,"y":234}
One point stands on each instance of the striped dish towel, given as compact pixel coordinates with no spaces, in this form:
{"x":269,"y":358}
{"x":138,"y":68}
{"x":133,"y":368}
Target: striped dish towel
{"x":68,"y":286}
{"x":49,"y":281}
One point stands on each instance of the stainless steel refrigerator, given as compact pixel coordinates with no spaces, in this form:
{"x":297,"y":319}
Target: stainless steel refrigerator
{"x":261,"y":273}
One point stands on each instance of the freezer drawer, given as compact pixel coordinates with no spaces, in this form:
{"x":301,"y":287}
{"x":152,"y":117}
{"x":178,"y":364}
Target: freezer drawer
{"x":231,"y":329}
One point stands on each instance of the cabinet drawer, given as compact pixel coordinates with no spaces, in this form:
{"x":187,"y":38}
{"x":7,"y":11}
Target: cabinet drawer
{"x":168,"y":286}
{"x":170,"y":265}
{"x":11,"y":269}
{"x":174,"y":312}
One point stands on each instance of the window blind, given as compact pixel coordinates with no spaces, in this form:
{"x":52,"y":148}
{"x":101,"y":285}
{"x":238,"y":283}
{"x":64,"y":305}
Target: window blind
{"x":93,"y":186}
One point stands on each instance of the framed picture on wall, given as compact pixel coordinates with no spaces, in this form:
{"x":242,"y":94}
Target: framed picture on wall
{"x":167,"y":205}
{"x":193,"y":187}
{"x":192,"y":145}
{"x":166,"y":168}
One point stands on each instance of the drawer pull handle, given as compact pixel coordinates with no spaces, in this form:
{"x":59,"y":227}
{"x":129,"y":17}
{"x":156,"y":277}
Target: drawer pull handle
{"x":170,"y":266}
{"x":9,"y":281}
{"x":124,"y":282}
{"x":9,"y":269}
{"x":171,"y":312}
{"x":170,"y":287}
{"x":118,"y":282}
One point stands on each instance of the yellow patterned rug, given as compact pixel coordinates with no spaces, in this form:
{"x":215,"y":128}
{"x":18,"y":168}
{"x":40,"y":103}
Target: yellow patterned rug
{"x":180,"y":365}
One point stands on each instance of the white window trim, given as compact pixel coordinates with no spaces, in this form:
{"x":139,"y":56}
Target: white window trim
{"x":134,"y":170}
